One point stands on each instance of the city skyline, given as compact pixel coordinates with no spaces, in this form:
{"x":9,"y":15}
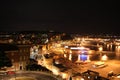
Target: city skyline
{"x":70,"y":17}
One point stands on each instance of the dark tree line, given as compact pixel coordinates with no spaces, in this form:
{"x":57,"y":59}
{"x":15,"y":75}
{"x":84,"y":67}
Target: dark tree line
{"x":4,"y":60}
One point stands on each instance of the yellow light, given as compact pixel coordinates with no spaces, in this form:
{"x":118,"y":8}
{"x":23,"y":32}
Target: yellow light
{"x":64,"y":75}
{"x":65,"y":55}
{"x":82,"y":78}
{"x":100,"y":48}
{"x":70,"y":56}
{"x":104,"y":58}
{"x":55,"y":71}
{"x":79,"y":78}
{"x":70,"y":51}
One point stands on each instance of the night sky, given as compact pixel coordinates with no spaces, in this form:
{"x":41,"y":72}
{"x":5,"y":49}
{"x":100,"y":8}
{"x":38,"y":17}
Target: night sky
{"x":71,"y":17}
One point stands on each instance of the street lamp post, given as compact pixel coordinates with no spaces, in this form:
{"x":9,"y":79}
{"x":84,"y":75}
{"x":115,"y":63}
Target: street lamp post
{"x":100,"y":50}
{"x":70,"y":55}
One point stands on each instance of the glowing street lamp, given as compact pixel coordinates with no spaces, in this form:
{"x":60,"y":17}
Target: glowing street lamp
{"x":100,"y":50}
{"x":78,"y":57}
{"x":64,"y":76}
{"x":55,"y":71}
{"x":70,"y":55}
{"x":104,"y":58}
{"x":64,"y":54}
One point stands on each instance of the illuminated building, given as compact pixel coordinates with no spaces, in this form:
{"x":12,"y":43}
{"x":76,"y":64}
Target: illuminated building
{"x":78,"y":53}
{"x":18,"y":54}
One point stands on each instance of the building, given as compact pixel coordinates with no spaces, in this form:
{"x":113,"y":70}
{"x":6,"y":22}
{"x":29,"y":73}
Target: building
{"x":18,"y":54}
{"x":24,"y":54}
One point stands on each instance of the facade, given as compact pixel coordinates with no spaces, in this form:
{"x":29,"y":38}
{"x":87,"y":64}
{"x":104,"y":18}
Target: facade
{"x":24,"y":54}
{"x":19,"y":57}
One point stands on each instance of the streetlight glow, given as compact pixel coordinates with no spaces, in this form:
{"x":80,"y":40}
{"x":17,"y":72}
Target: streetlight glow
{"x":104,"y":58}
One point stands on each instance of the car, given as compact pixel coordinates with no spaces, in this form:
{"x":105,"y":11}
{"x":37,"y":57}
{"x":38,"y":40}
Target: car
{"x":99,"y":65}
{"x":117,"y":76}
{"x":11,"y":72}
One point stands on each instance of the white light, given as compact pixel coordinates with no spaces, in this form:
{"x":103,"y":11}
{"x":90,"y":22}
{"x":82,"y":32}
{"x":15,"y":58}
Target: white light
{"x":66,"y":46}
{"x":88,"y":77}
{"x":118,"y":76}
{"x":79,"y":57}
{"x":77,"y":48}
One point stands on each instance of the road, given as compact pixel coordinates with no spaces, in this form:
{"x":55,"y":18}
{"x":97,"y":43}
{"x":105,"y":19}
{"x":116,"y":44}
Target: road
{"x":32,"y":74}
{"x":112,"y":65}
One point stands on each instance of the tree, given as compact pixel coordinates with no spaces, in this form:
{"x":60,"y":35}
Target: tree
{"x":4,"y":60}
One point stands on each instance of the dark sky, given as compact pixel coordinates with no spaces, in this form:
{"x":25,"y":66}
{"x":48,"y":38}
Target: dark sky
{"x":76,"y":17}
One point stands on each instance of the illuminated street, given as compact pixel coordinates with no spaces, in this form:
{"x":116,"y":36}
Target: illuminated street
{"x":111,"y":63}
{"x":63,"y":59}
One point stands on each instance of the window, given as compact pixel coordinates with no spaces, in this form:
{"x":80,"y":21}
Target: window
{"x":12,"y":54}
{"x":20,"y":50}
{"x":12,"y":60}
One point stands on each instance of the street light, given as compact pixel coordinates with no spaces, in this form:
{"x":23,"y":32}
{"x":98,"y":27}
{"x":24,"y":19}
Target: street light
{"x":100,"y":50}
{"x":104,"y":58}
{"x":65,"y":76}
{"x":70,"y":55}
{"x":64,"y":54}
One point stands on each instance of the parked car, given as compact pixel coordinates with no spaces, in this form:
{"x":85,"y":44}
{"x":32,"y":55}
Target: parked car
{"x":99,"y":65}
{"x":11,"y":72}
{"x":116,"y":77}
